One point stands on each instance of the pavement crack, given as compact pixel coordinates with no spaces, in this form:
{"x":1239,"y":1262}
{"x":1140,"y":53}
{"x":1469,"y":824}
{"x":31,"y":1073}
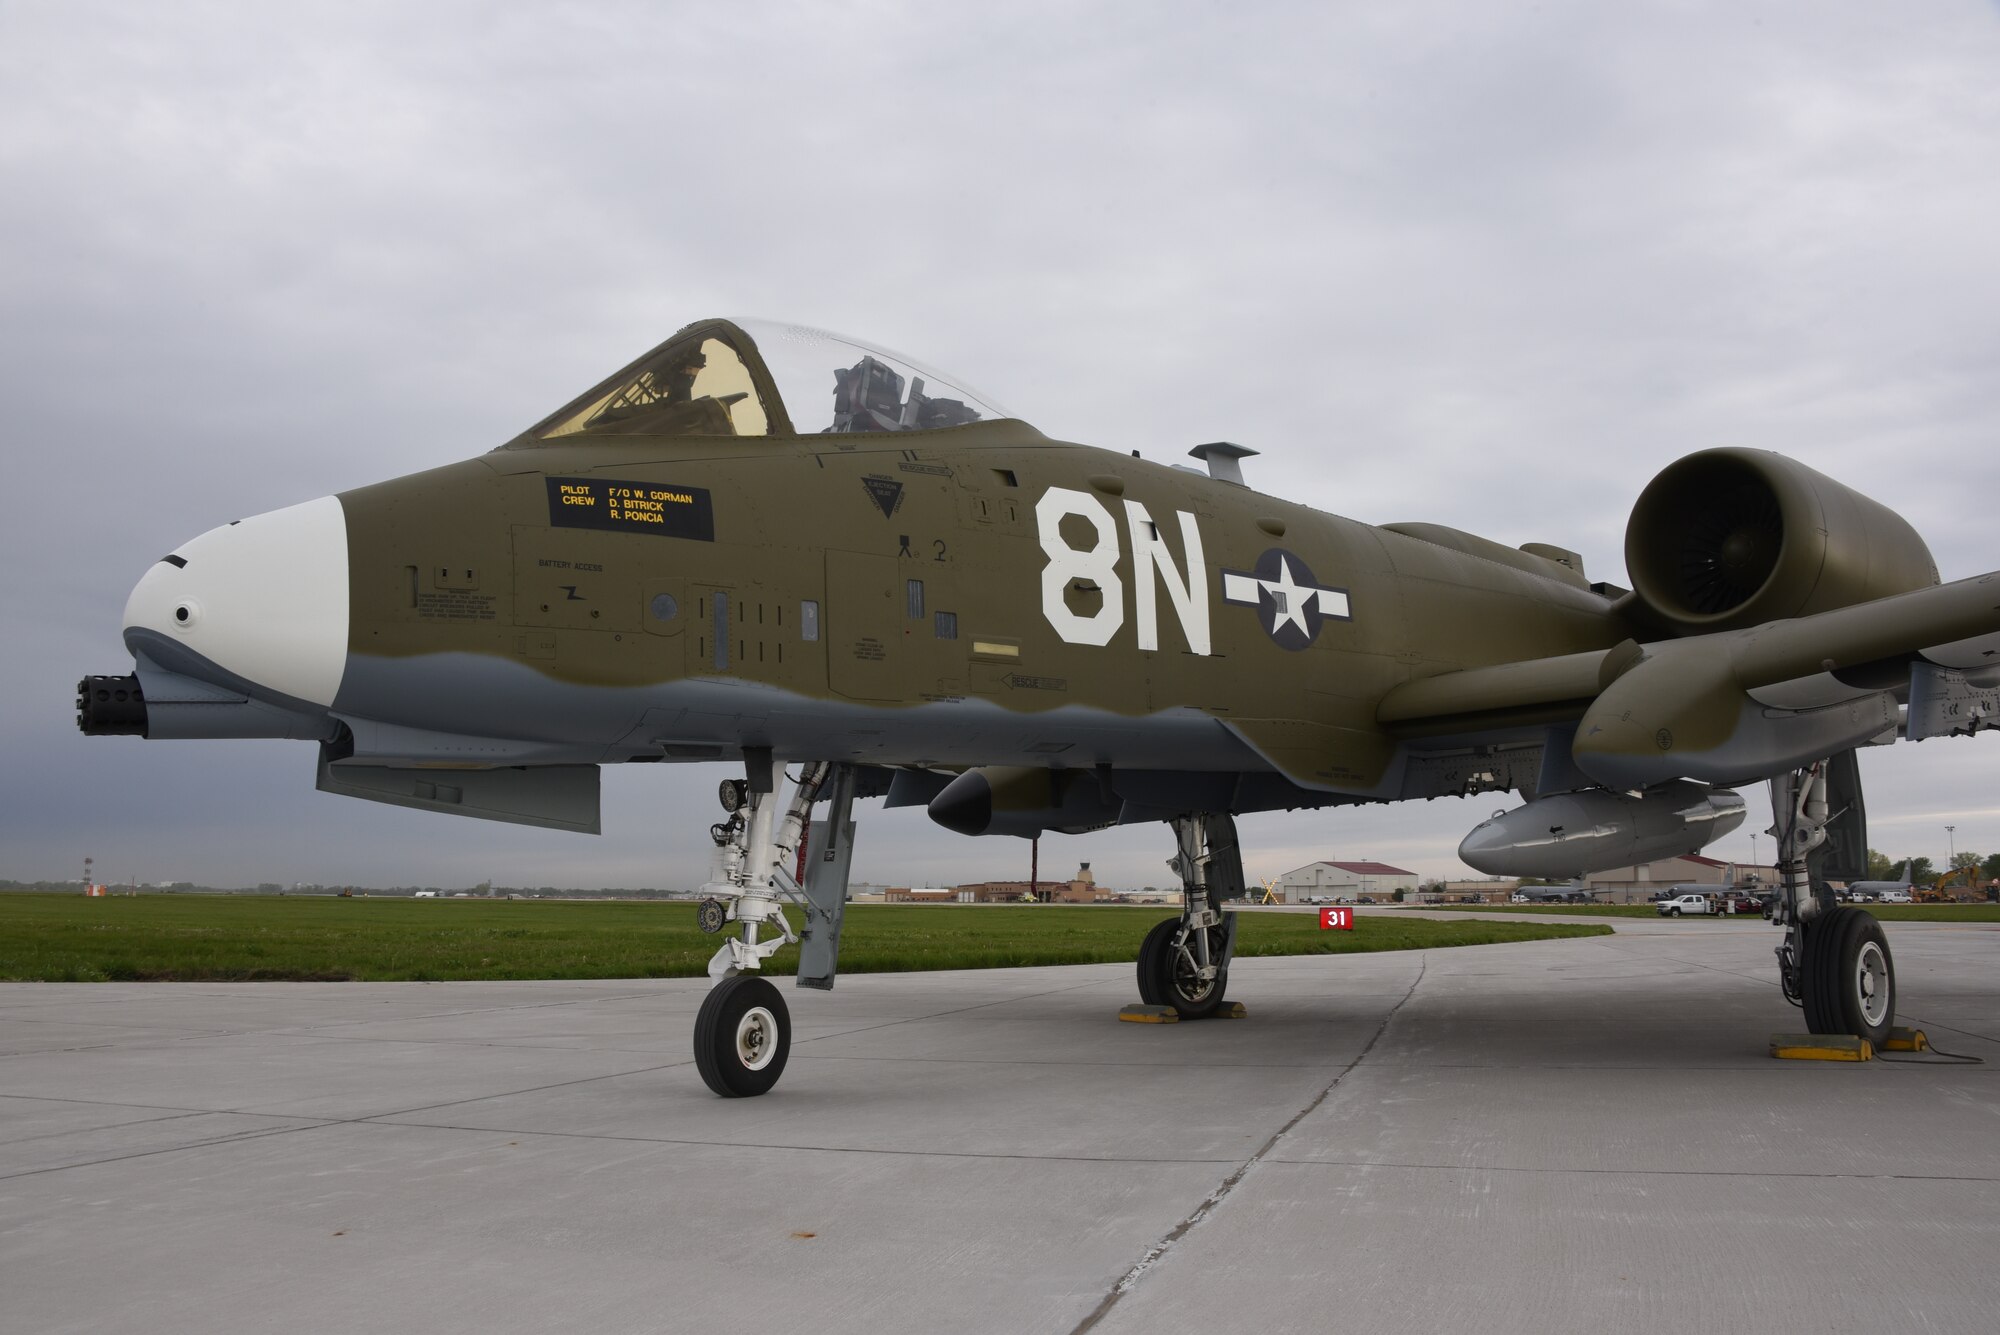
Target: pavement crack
{"x":1213,"y":1201}
{"x":938,"y":1015}
{"x":512,"y":1093}
{"x":781,"y":1147}
{"x":209,"y":1142}
{"x":688,"y":1060}
{"x":1370,"y":1165}
{"x":112,"y":1126}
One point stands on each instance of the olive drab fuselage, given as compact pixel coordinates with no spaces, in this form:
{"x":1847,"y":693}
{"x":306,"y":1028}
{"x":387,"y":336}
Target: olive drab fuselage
{"x":982,"y":565}
{"x":709,"y":555}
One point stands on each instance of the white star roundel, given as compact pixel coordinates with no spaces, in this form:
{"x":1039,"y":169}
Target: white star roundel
{"x":1290,"y":603}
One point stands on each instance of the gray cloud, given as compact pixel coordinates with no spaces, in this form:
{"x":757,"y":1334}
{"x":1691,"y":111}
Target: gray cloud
{"x":1446,"y":261}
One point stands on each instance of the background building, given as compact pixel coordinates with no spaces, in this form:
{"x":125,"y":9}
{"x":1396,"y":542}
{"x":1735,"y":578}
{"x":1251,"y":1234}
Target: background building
{"x":1635,"y":885}
{"x":922,"y":894}
{"x":1344,"y":880}
{"x":1486,"y":890}
{"x":1081,"y":888}
{"x":1620,"y":885}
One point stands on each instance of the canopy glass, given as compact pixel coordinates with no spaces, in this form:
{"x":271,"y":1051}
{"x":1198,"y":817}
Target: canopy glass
{"x":758,"y":377}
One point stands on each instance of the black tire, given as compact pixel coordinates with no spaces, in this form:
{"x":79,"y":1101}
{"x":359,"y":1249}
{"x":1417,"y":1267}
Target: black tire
{"x":1674,"y":912}
{"x":742,"y":1036}
{"x":1849,"y":976}
{"x":1818,"y":939}
{"x":1149,"y":971}
{"x":1171,"y":979}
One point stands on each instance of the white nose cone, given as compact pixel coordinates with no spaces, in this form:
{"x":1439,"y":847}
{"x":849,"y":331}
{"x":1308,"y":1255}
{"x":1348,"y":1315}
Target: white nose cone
{"x":264,"y":599}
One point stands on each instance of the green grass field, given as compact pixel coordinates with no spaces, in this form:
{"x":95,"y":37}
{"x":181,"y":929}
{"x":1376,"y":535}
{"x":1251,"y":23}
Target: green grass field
{"x":1886,"y":912}
{"x":67,"y":938}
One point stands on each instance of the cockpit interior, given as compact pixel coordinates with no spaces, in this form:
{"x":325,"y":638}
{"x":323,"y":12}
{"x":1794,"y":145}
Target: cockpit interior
{"x":758,"y":378}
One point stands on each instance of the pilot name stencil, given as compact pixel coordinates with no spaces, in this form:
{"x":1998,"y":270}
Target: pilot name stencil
{"x":610,"y":506}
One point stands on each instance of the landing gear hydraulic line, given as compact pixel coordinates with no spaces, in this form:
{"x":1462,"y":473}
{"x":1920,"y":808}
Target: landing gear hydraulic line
{"x":743,"y":1035}
{"x":1834,"y":961}
{"x":1184,"y":962}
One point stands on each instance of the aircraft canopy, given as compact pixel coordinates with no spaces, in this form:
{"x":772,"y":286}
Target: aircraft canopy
{"x":757,"y":378}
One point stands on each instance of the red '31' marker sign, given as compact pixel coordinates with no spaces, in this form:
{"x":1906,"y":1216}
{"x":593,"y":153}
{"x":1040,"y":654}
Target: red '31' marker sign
{"x":1339,"y":918}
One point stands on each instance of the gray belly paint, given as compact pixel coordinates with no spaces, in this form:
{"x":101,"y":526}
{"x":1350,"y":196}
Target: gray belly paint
{"x":407,"y":706}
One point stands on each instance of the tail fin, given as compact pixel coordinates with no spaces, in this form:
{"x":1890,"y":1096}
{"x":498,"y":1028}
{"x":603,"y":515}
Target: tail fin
{"x":1907,"y":864}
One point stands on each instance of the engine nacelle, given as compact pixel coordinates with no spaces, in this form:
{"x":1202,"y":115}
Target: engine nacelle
{"x":1680,"y":712}
{"x":1569,"y":834}
{"x":1731,"y":537}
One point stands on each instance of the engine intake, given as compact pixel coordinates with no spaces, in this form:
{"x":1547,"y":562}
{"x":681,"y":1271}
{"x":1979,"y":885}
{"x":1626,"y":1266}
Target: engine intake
{"x":1730,"y":538}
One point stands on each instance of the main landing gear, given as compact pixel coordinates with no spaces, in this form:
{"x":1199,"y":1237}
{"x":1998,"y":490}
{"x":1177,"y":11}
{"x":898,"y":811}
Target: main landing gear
{"x":1184,"y":961}
{"x":743,"y":1033}
{"x":1835,"y":961}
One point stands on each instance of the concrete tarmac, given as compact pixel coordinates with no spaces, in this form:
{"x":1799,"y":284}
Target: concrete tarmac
{"x":1574,"y":1135}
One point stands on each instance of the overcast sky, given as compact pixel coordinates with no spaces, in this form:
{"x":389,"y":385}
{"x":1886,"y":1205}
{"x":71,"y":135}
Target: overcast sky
{"x":1479,"y":264}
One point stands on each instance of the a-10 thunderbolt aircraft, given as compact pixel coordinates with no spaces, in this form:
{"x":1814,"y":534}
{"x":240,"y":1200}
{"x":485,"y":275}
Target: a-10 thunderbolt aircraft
{"x":772,"y":545}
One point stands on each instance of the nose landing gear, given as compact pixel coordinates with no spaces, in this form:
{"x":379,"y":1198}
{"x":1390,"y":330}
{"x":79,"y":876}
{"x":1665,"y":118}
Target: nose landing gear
{"x":743,"y":1032}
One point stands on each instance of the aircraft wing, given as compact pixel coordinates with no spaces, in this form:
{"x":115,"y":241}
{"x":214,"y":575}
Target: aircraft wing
{"x":1738,"y":706}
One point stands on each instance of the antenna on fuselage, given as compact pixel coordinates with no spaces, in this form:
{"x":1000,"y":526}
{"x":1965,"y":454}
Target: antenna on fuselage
{"x":1224,"y":460}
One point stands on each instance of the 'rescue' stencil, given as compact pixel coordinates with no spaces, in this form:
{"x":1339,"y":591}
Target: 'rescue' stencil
{"x":631,"y":507}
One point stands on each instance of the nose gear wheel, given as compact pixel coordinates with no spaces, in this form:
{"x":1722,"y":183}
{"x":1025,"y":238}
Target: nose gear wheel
{"x":742,"y":1036}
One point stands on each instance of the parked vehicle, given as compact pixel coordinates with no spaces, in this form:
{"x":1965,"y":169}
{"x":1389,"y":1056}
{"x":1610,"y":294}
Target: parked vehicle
{"x":1680,"y":904}
{"x":1896,"y":897}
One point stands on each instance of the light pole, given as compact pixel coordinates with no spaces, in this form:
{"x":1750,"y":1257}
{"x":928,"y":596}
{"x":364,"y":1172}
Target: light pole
{"x":1951,"y":838}
{"x":1753,"y":856}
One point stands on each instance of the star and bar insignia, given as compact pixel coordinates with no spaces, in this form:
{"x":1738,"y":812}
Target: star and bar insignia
{"x":1283,"y":586}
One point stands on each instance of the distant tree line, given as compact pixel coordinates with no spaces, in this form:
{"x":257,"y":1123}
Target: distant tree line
{"x":1881,"y":867}
{"x":74,"y":886}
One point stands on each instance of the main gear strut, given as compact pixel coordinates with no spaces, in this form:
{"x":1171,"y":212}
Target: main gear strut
{"x":1184,"y":962}
{"x":1834,"y":961}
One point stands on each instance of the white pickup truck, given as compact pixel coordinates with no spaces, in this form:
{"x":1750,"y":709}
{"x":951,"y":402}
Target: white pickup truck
{"x":1679,"y":904}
